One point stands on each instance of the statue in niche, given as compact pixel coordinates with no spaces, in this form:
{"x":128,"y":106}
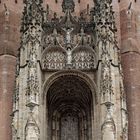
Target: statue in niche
{"x":55,"y":39}
{"x":82,"y":35}
{"x":69,"y":56}
{"x":68,"y":34}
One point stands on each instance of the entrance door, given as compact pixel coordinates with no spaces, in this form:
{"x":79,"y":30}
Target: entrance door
{"x":69,"y":127}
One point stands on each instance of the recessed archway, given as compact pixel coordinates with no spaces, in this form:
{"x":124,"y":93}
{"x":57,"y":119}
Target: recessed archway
{"x":69,"y":105}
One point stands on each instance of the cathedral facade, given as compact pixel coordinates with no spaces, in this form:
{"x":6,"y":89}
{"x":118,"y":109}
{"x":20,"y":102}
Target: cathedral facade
{"x":69,"y":70}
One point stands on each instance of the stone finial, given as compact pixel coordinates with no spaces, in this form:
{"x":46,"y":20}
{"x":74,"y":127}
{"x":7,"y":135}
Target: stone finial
{"x":68,"y":5}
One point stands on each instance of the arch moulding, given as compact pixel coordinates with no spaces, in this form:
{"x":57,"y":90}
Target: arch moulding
{"x":48,"y":82}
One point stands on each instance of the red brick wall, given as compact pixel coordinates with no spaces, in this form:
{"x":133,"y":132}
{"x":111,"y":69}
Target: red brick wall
{"x":7,"y":76}
{"x":131,"y":66}
{"x":9,"y":43}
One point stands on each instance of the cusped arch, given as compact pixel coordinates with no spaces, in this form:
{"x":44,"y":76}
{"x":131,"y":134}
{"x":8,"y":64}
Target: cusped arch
{"x":84,"y":57}
{"x":53,"y":57}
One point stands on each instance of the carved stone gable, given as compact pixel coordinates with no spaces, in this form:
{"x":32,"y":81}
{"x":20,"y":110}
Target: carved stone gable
{"x":67,"y":42}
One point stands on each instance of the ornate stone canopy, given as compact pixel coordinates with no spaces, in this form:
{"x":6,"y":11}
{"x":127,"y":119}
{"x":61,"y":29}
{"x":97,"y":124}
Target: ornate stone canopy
{"x":68,"y":42}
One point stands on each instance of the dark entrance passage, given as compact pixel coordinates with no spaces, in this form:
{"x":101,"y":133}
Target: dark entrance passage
{"x":69,"y":127}
{"x":69,"y":102}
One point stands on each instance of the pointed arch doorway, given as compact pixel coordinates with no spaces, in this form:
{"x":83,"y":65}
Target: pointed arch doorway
{"x":69,"y":109}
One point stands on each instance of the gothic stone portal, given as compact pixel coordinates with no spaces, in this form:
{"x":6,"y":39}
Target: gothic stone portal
{"x":69,"y":105}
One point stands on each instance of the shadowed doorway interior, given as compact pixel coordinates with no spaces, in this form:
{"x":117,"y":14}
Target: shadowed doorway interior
{"x":69,"y":102}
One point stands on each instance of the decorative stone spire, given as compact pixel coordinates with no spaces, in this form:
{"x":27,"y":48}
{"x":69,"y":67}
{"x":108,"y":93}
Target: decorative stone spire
{"x":32,"y":14}
{"x":31,"y":38}
{"x":103,"y":17}
{"x":30,"y":52}
{"x":109,"y":66}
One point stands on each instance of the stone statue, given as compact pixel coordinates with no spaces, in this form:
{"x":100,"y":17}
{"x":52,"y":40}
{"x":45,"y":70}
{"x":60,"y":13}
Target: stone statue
{"x":69,"y":56}
{"x":68,"y":34}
